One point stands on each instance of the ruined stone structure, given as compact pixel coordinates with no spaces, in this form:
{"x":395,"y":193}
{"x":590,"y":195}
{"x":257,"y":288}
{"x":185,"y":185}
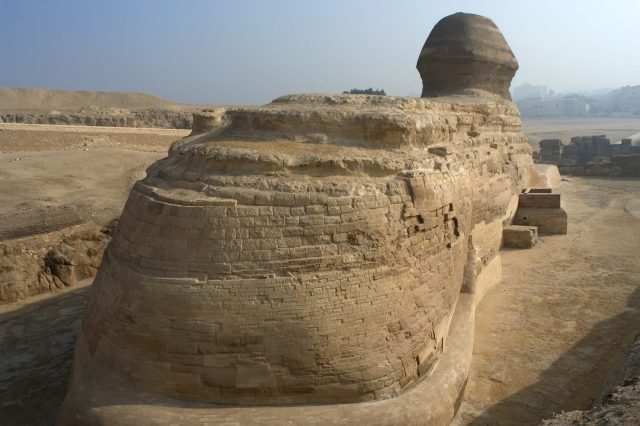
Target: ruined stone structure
{"x":550,"y":150}
{"x":323,"y":249}
{"x":590,"y":148}
{"x":541,"y":208}
{"x":592,"y":156}
{"x":519,"y":236}
{"x":463,"y":52}
{"x":207,"y":121}
{"x":569,"y":155}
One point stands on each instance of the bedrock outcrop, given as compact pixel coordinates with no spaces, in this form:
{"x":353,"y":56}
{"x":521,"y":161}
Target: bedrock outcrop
{"x":118,"y":118}
{"x":312,"y":251}
{"x":463,"y":52}
{"x":321,"y":249}
{"x":618,"y":402}
{"x":44,"y":250}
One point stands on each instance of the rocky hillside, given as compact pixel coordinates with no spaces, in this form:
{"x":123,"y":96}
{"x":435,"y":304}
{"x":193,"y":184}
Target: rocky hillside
{"x":115,"y":109}
{"x":122,"y":118}
{"x":20,"y":99}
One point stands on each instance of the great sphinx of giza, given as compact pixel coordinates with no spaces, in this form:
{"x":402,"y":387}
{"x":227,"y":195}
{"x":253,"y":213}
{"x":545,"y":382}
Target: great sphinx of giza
{"x":317,"y":260}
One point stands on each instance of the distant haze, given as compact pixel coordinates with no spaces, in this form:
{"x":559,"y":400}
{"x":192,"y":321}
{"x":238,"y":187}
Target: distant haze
{"x":240,"y":52}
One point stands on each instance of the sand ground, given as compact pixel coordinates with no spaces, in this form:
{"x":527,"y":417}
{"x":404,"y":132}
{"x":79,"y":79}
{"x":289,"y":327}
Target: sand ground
{"x":563,"y":314}
{"x":90,"y":169}
{"x":545,"y":337}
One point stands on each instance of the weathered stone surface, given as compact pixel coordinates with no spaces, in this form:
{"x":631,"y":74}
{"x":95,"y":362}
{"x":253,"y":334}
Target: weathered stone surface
{"x":517,"y":236}
{"x":149,"y":118}
{"x":207,"y":121}
{"x":550,"y":151}
{"x":312,"y":251}
{"x":547,"y":220}
{"x":619,"y":401}
{"x":539,"y":207}
{"x":49,"y":261}
{"x":36,"y":221}
{"x":539,"y":200}
{"x":466,"y":51}
{"x":548,"y":176}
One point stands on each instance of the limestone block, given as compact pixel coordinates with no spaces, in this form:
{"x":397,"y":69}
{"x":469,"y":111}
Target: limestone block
{"x":518,"y":236}
{"x":547,"y":220}
{"x":539,"y":200}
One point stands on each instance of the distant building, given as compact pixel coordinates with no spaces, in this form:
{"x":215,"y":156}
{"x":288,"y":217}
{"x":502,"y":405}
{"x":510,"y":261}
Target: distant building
{"x":625,"y":99}
{"x":537,"y":101}
{"x":564,"y":106}
{"x":530,"y":91}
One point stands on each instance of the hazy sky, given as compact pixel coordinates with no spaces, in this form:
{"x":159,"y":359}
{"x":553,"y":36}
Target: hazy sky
{"x":242,"y":51}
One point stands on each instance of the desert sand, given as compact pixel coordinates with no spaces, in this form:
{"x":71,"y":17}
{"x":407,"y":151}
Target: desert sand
{"x":563,"y":315}
{"x":88,"y":168}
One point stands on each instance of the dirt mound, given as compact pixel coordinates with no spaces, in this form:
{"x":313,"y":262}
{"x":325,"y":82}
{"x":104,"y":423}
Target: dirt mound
{"x":20,"y":99}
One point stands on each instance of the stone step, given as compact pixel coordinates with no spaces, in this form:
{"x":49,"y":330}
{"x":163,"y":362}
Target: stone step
{"x":519,"y":236}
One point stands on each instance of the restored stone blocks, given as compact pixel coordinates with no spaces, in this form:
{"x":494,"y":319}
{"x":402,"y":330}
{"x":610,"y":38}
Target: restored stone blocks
{"x":539,"y":200}
{"x":264,"y":270}
{"x":518,"y":236}
{"x":547,"y":220}
{"x":540,"y":208}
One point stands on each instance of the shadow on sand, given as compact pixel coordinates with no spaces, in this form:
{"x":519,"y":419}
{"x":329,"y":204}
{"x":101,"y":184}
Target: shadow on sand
{"x":36,"y":342}
{"x":572,"y":371}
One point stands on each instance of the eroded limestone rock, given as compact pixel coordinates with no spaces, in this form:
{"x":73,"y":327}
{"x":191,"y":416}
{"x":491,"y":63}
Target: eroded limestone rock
{"x":207,"y":121}
{"x":50,"y":261}
{"x":464,"y":52}
{"x":313,"y":250}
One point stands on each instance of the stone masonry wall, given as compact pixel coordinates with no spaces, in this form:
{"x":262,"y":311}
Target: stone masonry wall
{"x":311,"y":252}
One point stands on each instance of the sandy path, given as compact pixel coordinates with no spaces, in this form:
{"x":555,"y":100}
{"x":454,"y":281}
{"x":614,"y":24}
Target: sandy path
{"x":548,"y":334}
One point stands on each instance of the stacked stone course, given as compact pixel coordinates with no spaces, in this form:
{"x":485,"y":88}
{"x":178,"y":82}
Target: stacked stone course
{"x":314,"y":250}
{"x":340,"y":290}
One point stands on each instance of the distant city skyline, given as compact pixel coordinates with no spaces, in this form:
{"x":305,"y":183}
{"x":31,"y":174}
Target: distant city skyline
{"x":243,"y":52}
